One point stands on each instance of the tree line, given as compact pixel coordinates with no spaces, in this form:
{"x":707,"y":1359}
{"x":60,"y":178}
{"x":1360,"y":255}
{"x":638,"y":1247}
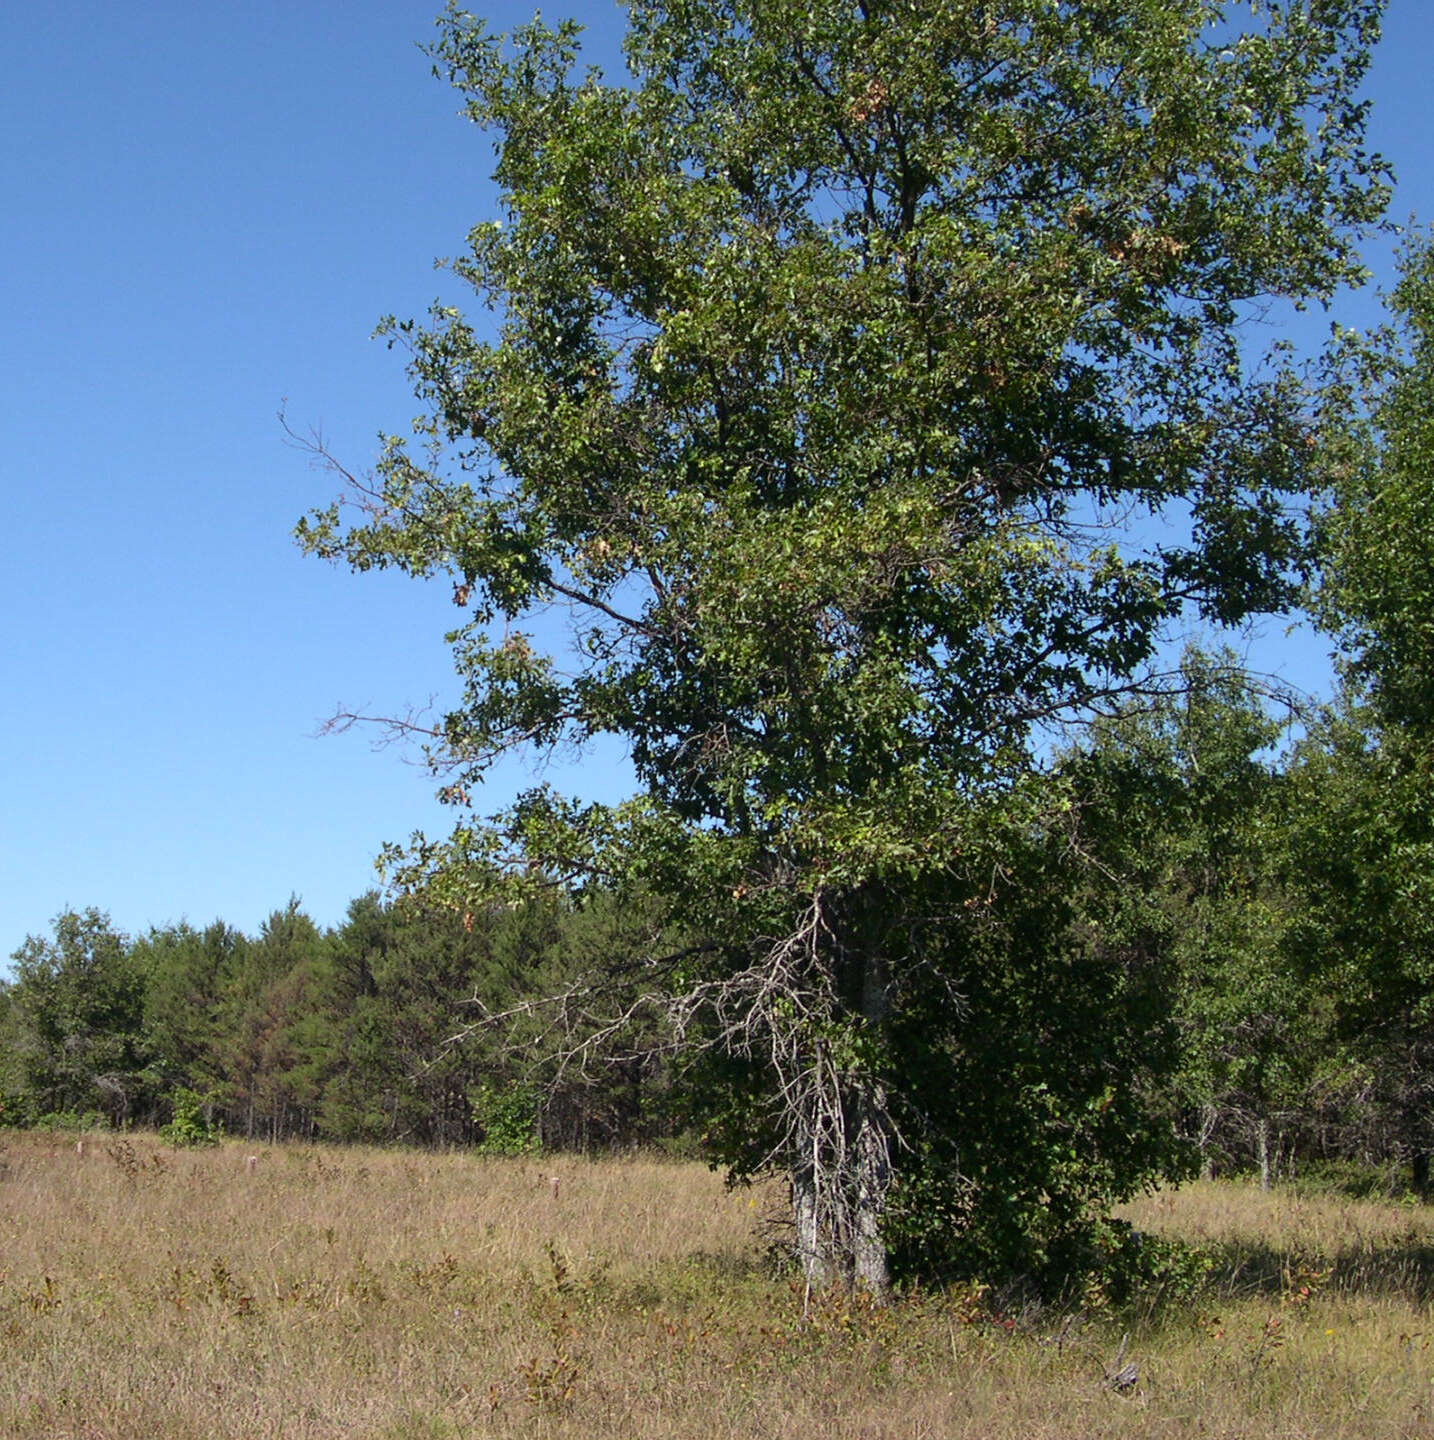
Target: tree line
{"x":349,"y":1034}
{"x":1216,"y":943}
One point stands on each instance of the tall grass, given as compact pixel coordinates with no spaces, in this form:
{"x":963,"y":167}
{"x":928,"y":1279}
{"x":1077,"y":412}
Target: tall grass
{"x":154,"y":1294}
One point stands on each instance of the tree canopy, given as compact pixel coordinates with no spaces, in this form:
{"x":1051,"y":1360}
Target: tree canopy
{"x":867,"y":383}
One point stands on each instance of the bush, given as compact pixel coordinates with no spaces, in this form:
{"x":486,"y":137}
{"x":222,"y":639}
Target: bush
{"x":72,"y":1120}
{"x":189,"y":1127}
{"x":1356,"y":1179}
{"x":508,"y":1118}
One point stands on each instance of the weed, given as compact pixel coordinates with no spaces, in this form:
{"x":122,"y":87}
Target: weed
{"x":126,"y":1157}
{"x":435,"y":1277}
{"x":132,"y":1162}
{"x":363,"y":1285}
{"x":227,"y":1291}
{"x":44,"y":1298}
{"x":552,"y":1379}
{"x":1265,"y":1344}
{"x":559,"y":1267}
{"x":183,"y":1287}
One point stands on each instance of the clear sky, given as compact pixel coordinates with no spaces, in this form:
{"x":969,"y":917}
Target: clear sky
{"x":208,"y":208}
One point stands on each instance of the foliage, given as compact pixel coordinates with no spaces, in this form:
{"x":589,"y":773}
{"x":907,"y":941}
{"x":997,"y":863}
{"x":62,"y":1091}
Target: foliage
{"x":507,"y":1119}
{"x":1364,"y":835}
{"x":849,"y":362}
{"x":1185,"y":806}
{"x":351,"y":1035}
{"x":73,"y":1039}
{"x":67,"y":1121}
{"x":186,"y":973}
{"x":189,"y":1126}
{"x":1377,"y":585}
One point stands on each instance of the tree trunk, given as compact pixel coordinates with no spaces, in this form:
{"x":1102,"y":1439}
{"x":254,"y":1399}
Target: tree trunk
{"x":873,"y":1148}
{"x":1416,"y":1135}
{"x":1262,"y":1150}
{"x":873,"y":1180}
{"x":1209,"y":1119}
{"x":810,"y":1254}
{"x":1419,"y":1173}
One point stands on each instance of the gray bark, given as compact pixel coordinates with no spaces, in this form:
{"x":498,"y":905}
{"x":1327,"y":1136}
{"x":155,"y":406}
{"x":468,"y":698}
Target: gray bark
{"x":869,"y":1259}
{"x":810,"y":1253}
{"x":1209,"y":1119}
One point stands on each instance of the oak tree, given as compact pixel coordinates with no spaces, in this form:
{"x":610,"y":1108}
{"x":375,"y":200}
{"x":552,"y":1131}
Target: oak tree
{"x":865,"y":382}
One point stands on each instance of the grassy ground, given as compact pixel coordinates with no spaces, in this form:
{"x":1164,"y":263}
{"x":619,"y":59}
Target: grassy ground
{"x":153,"y":1294}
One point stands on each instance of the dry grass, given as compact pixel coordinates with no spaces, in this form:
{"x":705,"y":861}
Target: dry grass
{"x":171,"y":1295}
{"x":1261,"y":1242}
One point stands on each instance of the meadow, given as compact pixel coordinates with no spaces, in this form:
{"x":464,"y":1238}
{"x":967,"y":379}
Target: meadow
{"x":149,"y":1293}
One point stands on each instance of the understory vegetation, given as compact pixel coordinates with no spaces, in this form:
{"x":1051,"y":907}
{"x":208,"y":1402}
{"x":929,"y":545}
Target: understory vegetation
{"x":149,"y":1292}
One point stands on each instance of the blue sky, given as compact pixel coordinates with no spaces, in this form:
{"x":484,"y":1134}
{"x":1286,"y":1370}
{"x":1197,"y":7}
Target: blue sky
{"x":208,"y":209}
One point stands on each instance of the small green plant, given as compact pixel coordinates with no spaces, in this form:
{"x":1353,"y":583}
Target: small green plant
{"x":189,"y":1128}
{"x":508,"y":1118}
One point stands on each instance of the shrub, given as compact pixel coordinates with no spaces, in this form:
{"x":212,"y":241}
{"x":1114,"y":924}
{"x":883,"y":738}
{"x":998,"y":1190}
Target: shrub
{"x":189,"y":1127}
{"x":508,"y":1118}
{"x":72,"y":1120}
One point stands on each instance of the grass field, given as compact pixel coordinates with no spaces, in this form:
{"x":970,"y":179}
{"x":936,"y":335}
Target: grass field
{"x":154,"y":1294}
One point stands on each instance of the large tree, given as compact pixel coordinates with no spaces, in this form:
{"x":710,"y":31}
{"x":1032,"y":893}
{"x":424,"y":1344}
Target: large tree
{"x":72,"y":1040}
{"x":1187,"y":810}
{"x":868,"y":386}
{"x":1365,"y":831}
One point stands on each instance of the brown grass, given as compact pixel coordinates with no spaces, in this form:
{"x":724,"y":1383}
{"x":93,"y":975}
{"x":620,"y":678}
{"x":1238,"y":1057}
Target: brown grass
{"x":154,"y":1294}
